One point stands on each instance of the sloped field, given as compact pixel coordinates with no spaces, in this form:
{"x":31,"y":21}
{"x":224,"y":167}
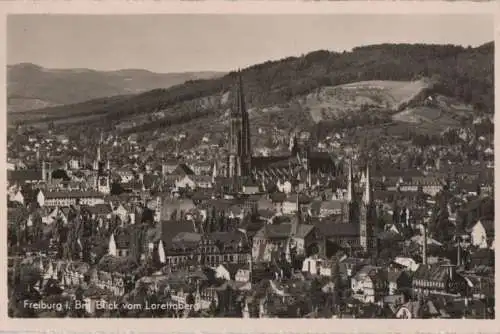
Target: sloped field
{"x":333,"y":102}
{"x":440,"y":110}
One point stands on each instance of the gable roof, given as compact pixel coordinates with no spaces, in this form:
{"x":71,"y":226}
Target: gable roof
{"x":330,"y":229}
{"x":367,"y":270}
{"x":201,"y":178}
{"x":226,"y":238}
{"x":24,"y":175}
{"x":171,"y":228}
{"x":99,"y":209}
{"x":434,"y":272}
{"x":278,"y":231}
{"x":183,"y":169}
{"x":72,"y":194}
{"x":488,"y":224}
{"x":393,"y":275}
{"x":232,"y":268}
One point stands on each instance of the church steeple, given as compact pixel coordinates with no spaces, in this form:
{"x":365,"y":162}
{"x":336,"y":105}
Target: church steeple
{"x":367,"y":192}
{"x":239,"y":145}
{"x":366,"y":217}
{"x":215,"y":172}
{"x":294,"y":145}
{"x":350,"y":192}
{"x":241,"y":108}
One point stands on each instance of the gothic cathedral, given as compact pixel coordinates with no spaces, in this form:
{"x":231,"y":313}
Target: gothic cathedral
{"x":240,"y":152}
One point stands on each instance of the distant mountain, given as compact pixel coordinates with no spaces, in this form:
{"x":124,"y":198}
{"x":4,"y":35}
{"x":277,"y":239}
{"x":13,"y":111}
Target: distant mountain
{"x":31,"y":86}
{"x":393,"y":82}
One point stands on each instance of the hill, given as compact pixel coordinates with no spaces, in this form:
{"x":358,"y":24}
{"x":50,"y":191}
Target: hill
{"x":334,"y":102}
{"x":380,"y":79}
{"x":30,"y":86}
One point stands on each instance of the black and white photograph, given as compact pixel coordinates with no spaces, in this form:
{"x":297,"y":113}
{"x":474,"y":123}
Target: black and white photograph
{"x":335,"y":166}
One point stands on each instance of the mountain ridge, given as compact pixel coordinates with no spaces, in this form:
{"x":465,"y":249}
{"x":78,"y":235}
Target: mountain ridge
{"x":462,"y":74}
{"x":28,"y":82}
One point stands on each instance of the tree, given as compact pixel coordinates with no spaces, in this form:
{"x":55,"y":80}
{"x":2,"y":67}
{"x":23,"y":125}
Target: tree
{"x":60,"y":174}
{"x":137,"y":242}
{"x":212,"y":309}
{"x":116,"y":188}
{"x":380,"y":224}
{"x":147,"y":215}
{"x":316,"y":294}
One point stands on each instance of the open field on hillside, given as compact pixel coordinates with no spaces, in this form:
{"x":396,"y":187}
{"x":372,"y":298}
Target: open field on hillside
{"x":440,"y":110}
{"x":19,"y":104}
{"x":333,"y":102}
{"x":421,"y":115}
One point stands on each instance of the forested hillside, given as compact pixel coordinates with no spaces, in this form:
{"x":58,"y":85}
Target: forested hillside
{"x":462,"y":73}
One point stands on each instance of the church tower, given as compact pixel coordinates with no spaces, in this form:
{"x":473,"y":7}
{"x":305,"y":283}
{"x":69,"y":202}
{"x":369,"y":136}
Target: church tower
{"x":348,"y":212}
{"x":103,"y":173}
{"x":240,"y":153}
{"x":350,"y":190}
{"x":366,"y":215}
{"x":98,"y":158}
{"x":103,"y":182}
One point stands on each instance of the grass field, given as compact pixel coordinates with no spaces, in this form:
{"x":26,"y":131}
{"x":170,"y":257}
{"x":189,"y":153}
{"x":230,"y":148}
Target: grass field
{"x":332,"y":102}
{"x":443,"y":112}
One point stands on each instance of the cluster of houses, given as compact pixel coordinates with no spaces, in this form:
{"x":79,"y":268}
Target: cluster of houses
{"x":303,"y":234}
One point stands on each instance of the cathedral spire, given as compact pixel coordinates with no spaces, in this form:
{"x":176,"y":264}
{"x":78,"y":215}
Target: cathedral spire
{"x":240,"y":107}
{"x":241,"y":95}
{"x":367,"y":192}
{"x":215,"y":172}
{"x":98,"y":158}
{"x":350,"y":194}
{"x":239,"y":144}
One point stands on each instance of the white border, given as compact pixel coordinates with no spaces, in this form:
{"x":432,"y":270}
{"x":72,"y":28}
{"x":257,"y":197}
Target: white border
{"x":228,"y":325}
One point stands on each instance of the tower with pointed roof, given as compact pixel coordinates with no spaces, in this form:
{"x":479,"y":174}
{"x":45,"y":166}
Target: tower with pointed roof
{"x":215,"y":172}
{"x":240,"y":153}
{"x":350,"y":190}
{"x":366,"y":215}
{"x":103,"y":172}
{"x":348,"y":209}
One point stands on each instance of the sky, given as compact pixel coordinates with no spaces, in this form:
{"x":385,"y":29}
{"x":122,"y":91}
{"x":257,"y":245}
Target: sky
{"x":208,"y":42}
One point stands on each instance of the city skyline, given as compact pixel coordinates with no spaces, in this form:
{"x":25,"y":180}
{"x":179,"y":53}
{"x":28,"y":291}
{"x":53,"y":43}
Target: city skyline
{"x":133,"y":42}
